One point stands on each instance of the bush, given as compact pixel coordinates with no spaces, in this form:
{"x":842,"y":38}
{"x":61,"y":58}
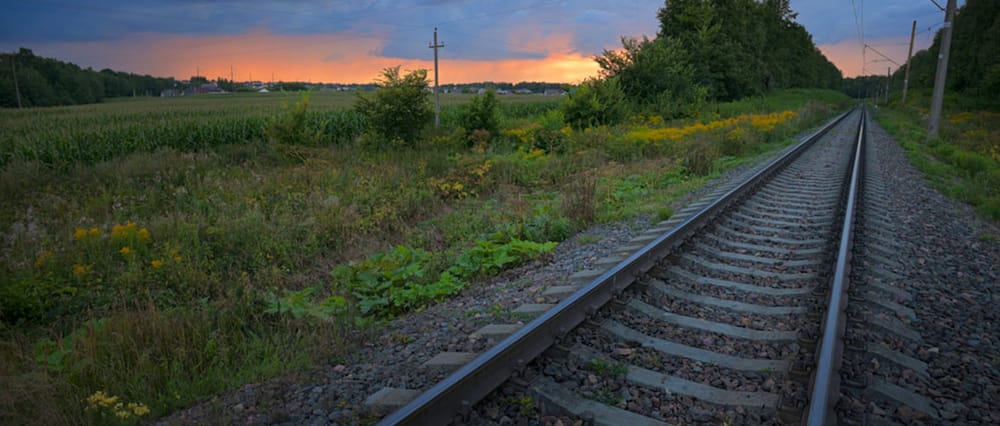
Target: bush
{"x":698,"y":154}
{"x":595,"y":103}
{"x":401,"y":107}
{"x":481,"y":115}
{"x":293,"y":127}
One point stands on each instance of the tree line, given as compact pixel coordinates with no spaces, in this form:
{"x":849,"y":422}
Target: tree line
{"x":47,"y":82}
{"x":705,"y":50}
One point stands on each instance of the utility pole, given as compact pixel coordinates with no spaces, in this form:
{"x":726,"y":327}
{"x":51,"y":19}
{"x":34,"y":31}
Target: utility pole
{"x":231,"y":78}
{"x":909,"y":56}
{"x":942,"y":72}
{"x":17,"y":88}
{"x":437,"y":94}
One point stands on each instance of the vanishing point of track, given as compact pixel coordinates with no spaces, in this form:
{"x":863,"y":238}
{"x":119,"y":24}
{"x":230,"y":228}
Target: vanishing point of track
{"x":738,"y":301}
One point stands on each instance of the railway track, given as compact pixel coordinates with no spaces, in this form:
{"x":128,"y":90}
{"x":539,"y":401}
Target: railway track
{"x":721,"y":313}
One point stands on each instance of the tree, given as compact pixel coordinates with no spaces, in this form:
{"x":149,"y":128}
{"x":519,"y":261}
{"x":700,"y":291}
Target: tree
{"x":47,"y":82}
{"x":653,"y":74}
{"x":401,"y":107}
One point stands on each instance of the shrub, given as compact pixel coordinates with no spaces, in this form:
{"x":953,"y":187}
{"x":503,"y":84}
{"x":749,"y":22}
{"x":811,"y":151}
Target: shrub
{"x":401,"y":107}
{"x":595,"y":103}
{"x":481,"y":114}
{"x":293,"y":127}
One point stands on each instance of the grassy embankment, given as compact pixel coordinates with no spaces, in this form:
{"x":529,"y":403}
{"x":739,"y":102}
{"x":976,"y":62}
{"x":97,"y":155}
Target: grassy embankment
{"x":964,"y":161}
{"x":159,"y":251}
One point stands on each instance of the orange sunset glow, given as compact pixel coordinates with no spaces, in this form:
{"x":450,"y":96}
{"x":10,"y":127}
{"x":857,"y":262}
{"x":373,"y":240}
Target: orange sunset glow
{"x":342,"y":58}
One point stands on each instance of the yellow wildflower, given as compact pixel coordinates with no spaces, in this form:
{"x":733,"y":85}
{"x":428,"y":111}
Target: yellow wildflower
{"x":94,"y":232}
{"x":101,"y":399}
{"x":81,"y":270}
{"x":125,"y":251}
{"x":177,"y":259}
{"x":143,"y":234}
{"x":138,"y":409}
{"x":156,"y":263}
{"x":79,"y":234}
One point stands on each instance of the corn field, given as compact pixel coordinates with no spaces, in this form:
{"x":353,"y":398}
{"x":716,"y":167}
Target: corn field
{"x":94,"y":133}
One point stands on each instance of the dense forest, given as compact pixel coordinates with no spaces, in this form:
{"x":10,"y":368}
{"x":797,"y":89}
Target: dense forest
{"x":48,"y":82}
{"x":974,"y":60}
{"x":740,"y":48}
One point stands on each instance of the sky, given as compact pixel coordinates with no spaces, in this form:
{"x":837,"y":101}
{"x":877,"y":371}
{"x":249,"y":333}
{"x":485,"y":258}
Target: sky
{"x":351,"y":41}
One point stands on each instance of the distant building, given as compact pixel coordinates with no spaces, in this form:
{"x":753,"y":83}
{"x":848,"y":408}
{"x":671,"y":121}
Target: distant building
{"x":209,"y":88}
{"x":554,"y":92}
{"x":523,"y":91}
{"x":169,"y":93}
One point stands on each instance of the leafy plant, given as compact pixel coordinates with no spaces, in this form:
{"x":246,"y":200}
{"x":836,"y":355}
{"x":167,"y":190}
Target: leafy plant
{"x":300,"y":304}
{"x":489,"y":257}
{"x":481,"y":114}
{"x":400,"y":109}
{"x":388,"y":283}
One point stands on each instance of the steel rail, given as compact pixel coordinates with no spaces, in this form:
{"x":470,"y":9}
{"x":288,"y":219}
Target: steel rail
{"x":826,"y":383}
{"x":455,"y":395}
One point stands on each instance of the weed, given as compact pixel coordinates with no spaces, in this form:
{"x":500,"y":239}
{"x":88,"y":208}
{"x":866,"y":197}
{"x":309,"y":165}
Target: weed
{"x":607,"y":368}
{"x":664,"y":213}
{"x":526,"y":406}
{"x":587,"y":239}
{"x":988,"y":237}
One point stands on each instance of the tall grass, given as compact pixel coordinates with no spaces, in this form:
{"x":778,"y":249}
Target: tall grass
{"x":964,"y":162}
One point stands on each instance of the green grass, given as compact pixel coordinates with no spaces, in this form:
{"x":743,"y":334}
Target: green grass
{"x":209,"y":266}
{"x":962,"y":162}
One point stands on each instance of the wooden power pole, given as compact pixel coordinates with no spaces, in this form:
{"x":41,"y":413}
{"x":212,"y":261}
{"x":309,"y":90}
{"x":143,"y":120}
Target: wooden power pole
{"x":942,"y":72}
{"x":909,"y":56}
{"x":437,"y":94}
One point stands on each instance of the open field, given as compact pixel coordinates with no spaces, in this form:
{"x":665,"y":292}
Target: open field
{"x":160,"y":272}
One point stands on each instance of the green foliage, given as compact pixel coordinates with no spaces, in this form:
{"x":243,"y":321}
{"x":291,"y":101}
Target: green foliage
{"x":742,"y":48}
{"x":973,"y":65}
{"x":386,"y":283}
{"x":595,"y":103}
{"x":293,"y":127}
{"x":406,"y":279}
{"x":652,"y":73}
{"x":488,"y":257}
{"x":481,"y":114}
{"x":954,"y":164}
{"x":49,"y":82}
{"x":299,"y":304}
{"x":168,"y":359}
{"x":400,"y":109}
